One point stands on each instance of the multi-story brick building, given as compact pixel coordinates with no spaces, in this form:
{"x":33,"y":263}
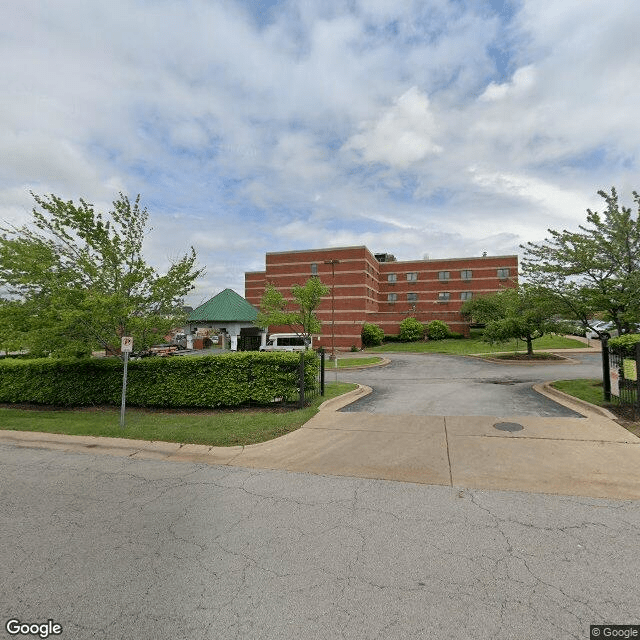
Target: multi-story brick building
{"x":376,"y":288}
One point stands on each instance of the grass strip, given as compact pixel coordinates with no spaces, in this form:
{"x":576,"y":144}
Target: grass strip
{"x":352,"y":362}
{"x":475,"y":344}
{"x":587,"y":389}
{"x":221,"y":428}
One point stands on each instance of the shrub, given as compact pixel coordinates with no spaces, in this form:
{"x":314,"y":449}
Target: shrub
{"x":209,"y":381}
{"x":392,"y":338}
{"x":437,"y":330}
{"x":372,"y":335}
{"x":411,"y":330}
{"x":626,"y":343}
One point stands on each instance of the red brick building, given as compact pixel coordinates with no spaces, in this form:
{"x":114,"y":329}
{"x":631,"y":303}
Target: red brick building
{"x":380,"y":290}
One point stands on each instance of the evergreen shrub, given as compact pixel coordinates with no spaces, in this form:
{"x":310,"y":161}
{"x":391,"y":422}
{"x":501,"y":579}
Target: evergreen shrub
{"x":225,"y":380}
{"x":372,"y":335}
{"x":437,"y":330}
{"x":411,"y":330}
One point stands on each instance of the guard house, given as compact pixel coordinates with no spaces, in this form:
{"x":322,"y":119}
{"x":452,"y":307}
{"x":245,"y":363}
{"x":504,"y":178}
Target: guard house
{"x":230,"y":315}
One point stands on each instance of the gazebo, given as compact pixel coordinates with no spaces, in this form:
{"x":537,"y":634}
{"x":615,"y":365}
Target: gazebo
{"x":230,"y":314}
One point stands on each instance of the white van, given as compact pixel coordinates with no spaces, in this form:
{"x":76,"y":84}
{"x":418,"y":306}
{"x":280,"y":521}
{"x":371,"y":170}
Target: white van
{"x":285,"y":342}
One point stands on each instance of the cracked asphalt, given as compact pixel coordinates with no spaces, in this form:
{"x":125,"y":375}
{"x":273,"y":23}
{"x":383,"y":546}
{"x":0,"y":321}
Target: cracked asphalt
{"x":122,"y":548}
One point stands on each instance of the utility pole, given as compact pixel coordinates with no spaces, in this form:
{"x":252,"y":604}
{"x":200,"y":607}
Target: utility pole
{"x":333,"y":264}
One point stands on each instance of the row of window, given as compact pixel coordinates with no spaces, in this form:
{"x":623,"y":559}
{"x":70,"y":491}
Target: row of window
{"x":443,"y":296}
{"x":443,"y":276}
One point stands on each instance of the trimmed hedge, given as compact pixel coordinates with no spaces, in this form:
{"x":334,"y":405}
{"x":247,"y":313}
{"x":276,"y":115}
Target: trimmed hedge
{"x":226,"y":380}
{"x":626,"y":343}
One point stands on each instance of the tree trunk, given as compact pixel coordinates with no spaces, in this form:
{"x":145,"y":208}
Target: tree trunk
{"x":529,"y":346}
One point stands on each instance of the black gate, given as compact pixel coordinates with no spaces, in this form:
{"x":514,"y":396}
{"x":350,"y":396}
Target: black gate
{"x":621,"y":382}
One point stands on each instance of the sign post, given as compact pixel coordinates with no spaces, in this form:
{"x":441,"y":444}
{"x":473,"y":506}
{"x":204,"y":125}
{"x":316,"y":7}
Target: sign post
{"x":126,"y":347}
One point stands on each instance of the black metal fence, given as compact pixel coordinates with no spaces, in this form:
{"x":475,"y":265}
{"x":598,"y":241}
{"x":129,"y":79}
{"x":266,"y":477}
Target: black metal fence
{"x":310,"y":388}
{"x":621,"y":382}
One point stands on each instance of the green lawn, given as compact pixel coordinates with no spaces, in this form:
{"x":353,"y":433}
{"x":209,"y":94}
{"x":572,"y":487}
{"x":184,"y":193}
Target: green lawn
{"x":215,"y":428}
{"x":475,"y":344}
{"x":352,"y":362}
{"x":588,"y":390}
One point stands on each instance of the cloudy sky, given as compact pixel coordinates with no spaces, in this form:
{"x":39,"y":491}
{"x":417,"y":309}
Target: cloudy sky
{"x":439,"y":127}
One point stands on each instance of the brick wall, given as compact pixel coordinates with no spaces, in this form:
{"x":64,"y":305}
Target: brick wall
{"x":382,"y":293}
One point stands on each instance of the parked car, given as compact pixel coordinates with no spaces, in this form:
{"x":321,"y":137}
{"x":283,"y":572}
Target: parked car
{"x":599,"y":328}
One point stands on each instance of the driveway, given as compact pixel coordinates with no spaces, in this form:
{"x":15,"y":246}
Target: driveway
{"x":446,"y":385}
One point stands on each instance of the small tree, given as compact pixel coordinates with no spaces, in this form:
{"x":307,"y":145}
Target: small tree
{"x":275,"y":309}
{"x":595,"y":269}
{"x":77,"y":279}
{"x":526,"y":313}
{"x":372,"y":335}
{"x":411,"y":330}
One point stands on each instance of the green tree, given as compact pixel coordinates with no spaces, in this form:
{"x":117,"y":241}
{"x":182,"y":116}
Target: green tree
{"x":595,"y":270}
{"x":525,"y":313}
{"x":77,"y":279}
{"x":298,"y":314}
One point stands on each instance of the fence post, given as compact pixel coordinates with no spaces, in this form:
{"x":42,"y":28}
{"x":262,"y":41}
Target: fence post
{"x":301,"y":379}
{"x":636,"y":407}
{"x":322,"y":371}
{"x":606,"y":377}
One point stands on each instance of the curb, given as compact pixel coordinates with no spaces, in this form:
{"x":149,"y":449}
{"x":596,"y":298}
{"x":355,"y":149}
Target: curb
{"x":335,"y":404}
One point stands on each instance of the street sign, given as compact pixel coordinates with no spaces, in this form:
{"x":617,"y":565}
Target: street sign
{"x":126,"y":347}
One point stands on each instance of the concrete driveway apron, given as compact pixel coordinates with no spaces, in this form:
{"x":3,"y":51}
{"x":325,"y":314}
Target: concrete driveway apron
{"x":466,"y":422}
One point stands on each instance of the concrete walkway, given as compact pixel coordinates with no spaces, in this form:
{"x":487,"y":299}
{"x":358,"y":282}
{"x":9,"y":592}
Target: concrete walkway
{"x":590,"y":456}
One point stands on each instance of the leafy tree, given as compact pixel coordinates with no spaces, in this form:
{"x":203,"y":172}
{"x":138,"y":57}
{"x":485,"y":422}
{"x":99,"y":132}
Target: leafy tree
{"x":275,"y":309}
{"x":77,"y":279}
{"x":411,"y":330}
{"x":595,"y":270}
{"x":526,"y":313}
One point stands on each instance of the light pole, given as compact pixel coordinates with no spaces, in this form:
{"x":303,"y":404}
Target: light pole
{"x":333,"y":264}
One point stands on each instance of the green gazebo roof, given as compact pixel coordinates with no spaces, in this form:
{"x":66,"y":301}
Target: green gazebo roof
{"x":227,"y":306}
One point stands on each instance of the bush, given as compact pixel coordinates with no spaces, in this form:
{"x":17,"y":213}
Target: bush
{"x":411,"y":330}
{"x":455,"y":336}
{"x":626,"y":343}
{"x":209,"y":381}
{"x":437,"y":330}
{"x":392,"y":338}
{"x":372,"y":335}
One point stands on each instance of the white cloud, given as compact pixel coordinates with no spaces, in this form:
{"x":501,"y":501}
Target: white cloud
{"x":334,"y":123}
{"x":402,"y":135}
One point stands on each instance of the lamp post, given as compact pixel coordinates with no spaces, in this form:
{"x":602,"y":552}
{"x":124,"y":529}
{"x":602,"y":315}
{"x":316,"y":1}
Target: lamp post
{"x":333,"y":264}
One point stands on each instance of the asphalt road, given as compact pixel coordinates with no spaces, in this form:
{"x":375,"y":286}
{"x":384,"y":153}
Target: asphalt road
{"x":118,"y":548}
{"x":436,"y":384}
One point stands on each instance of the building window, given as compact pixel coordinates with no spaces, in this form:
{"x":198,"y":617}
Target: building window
{"x":466,"y":274}
{"x":391,"y":277}
{"x":444,"y":296}
{"x":314,"y":269}
{"x":392,"y":297}
{"x":465,"y":295}
{"x":412,"y":276}
{"x":412,"y":297}
{"x":503,"y":274}
{"x":443,"y":275}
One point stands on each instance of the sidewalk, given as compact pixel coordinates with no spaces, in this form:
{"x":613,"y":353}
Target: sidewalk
{"x":591,"y":456}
